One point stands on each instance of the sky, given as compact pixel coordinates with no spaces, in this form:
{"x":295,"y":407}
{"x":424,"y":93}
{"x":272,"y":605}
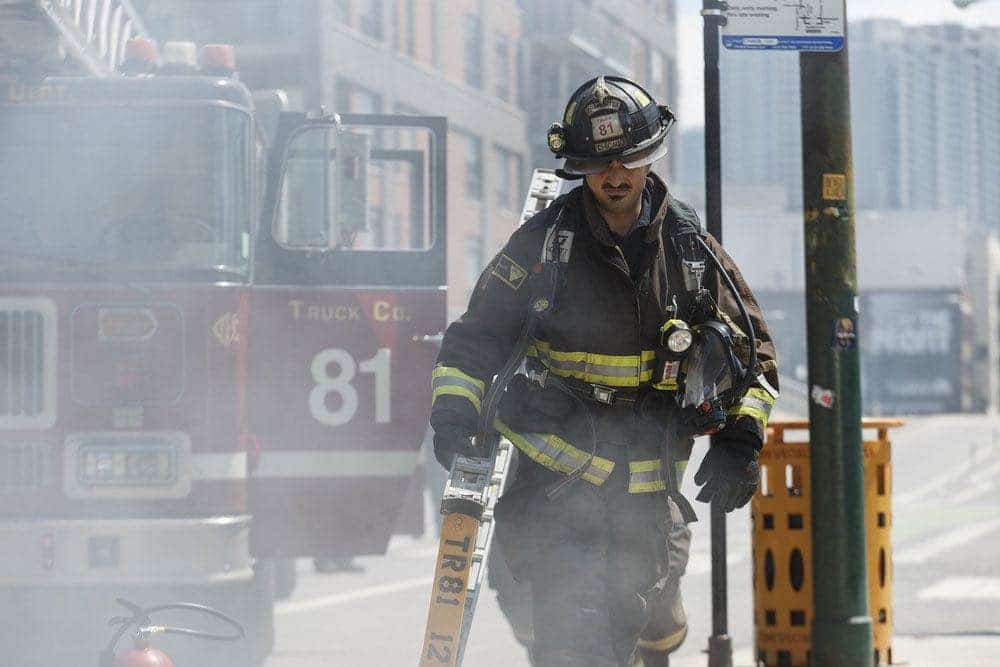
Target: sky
{"x":691,"y":107}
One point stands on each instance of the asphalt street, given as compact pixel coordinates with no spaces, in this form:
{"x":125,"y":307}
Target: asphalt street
{"x":946,"y":542}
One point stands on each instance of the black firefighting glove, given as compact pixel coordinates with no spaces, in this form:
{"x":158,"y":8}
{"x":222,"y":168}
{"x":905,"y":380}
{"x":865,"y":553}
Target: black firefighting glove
{"x":451,"y":440}
{"x":729,"y":472}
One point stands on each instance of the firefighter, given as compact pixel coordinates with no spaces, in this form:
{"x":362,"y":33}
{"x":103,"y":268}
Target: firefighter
{"x":593,"y":522}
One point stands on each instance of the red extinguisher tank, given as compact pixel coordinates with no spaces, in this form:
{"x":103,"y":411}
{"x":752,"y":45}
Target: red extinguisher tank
{"x":143,"y":656}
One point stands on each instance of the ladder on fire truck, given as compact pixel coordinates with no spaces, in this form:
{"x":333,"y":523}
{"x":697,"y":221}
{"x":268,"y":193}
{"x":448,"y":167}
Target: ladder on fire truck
{"x":470,"y":496}
{"x":89,"y":35}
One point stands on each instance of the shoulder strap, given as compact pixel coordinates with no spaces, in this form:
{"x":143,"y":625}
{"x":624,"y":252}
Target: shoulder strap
{"x":686,"y":264}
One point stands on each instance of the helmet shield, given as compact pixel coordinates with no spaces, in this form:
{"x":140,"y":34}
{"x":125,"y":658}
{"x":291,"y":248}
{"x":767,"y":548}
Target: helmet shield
{"x":583,"y":167}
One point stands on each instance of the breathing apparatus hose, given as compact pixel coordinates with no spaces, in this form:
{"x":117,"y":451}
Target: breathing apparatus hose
{"x":751,"y":371}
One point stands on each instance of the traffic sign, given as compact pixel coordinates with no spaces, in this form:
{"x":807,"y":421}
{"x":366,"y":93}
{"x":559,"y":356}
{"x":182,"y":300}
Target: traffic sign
{"x":785,"y":25}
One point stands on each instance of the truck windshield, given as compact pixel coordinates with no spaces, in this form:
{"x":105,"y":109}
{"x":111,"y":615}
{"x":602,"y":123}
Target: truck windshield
{"x":126,"y":189}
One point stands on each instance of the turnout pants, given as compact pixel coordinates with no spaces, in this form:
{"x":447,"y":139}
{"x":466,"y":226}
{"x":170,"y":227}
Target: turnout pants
{"x":601,"y":567}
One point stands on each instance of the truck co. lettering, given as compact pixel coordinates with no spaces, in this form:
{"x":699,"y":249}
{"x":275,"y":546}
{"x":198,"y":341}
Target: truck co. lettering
{"x":340,"y":383}
{"x":382,"y":311}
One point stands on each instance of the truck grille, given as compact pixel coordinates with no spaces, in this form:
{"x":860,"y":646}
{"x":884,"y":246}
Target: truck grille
{"x":26,"y":466}
{"x":27,"y":363}
{"x":22,"y":362}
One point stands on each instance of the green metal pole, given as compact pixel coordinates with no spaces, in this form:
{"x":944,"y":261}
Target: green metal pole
{"x":841,"y":626}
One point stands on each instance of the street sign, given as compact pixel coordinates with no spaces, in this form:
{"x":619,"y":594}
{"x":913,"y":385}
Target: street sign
{"x":785,"y":25}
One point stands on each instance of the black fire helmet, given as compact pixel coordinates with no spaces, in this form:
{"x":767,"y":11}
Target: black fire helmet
{"x":609,"y":118}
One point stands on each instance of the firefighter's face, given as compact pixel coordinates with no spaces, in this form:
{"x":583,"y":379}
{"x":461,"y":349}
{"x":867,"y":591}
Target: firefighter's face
{"x":618,"y":189}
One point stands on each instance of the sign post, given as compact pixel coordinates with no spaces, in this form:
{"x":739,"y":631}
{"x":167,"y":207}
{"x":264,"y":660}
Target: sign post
{"x":841,"y":625}
{"x":720,"y":644}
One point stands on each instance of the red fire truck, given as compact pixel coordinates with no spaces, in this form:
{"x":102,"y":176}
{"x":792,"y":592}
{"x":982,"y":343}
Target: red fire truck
{"x":217,"y":322}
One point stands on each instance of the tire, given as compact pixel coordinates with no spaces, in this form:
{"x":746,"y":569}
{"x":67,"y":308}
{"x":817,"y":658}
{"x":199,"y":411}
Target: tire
{"x":285,"y":578}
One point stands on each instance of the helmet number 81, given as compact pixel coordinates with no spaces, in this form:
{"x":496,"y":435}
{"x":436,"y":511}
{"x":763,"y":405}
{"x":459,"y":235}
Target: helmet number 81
{"x":340,"y":383}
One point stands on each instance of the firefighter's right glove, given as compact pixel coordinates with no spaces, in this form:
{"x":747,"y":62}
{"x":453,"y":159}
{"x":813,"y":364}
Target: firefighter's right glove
{"x":451,"y":440}
{"x":729,"y":473}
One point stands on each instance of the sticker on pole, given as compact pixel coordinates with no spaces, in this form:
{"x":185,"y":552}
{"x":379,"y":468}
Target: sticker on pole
{"x":785,"y":25}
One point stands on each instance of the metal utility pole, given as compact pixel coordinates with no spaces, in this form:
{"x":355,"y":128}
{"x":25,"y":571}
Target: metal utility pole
{"x":720,"y":645}
{"x":842,"y":627}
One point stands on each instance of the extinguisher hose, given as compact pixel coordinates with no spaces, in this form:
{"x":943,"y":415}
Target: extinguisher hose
{"x":140,"y":619}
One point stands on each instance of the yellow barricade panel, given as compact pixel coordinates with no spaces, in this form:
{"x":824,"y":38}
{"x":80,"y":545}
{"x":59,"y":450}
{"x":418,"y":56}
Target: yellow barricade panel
{"x":782,"y":544}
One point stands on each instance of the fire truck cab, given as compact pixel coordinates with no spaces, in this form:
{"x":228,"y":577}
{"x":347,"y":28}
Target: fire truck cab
{"x":216,"y":329}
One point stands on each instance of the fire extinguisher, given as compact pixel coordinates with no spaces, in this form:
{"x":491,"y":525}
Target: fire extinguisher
{"x":142,"y":653}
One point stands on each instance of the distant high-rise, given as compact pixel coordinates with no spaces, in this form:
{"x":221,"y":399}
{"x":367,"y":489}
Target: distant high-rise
{"x":925,"y":106}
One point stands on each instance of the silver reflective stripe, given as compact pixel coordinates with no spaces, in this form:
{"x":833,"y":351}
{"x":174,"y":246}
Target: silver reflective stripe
{"x":756,"y":403}
{"x":622,"y":374}
{"x":646,"y":476}
{"x":589,"y":369}
{"x":564,"y":459}
{"x":639,"y":482}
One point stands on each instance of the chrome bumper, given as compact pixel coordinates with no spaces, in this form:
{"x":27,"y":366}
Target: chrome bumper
{"x":125,"y":551}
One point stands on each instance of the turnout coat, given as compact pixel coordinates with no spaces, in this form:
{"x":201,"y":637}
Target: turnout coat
{"x":603,"y":330}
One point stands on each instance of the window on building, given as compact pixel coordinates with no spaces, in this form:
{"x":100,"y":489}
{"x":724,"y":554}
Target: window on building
{"x":473,"y":50}
{"x":354,"y":98}
{"x":409,"y":32}
{"x":474,"y":259}
{"x":473,"y":149}
{"x":370,"y":15}
{"x":342,"y":11}
{"x":657,"y":72}
{"x":508,"y":175}
{"x":502,"y":75}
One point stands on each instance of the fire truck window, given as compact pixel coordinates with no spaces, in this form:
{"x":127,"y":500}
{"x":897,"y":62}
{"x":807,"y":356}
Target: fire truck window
{"x":359,"y":189}
{"x":138,"y":187}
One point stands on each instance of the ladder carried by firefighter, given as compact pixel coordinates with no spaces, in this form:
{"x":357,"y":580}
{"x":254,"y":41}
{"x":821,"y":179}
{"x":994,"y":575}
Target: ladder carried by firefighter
{"x":91,"y":34}
{"x":470,"y":496}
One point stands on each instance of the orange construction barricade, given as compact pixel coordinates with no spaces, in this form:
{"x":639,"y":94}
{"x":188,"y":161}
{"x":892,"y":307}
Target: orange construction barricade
{"x":782,"y":544}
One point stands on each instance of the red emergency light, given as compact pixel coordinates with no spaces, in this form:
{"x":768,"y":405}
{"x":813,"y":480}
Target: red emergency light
{"x":140,"y":57}
{"x":218,"y":59}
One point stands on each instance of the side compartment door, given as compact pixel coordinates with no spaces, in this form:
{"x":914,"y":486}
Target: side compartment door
{"x":347,"y":302}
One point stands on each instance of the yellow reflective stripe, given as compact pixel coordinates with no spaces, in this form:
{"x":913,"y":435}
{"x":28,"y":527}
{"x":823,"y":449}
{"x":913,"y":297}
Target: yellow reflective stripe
{"x":666,"y":643}
{"x":452,"y":372}
{"x":644,"y":466}
{"x":646,"y":476}
{"x":756,"y":403}
{"x":669,"y":385}
{"x":669,"y":323}
{"x":449,"y":381}
{"x":457,"y":391}
{"x":605,"y":369}
{"x":556,"y":454}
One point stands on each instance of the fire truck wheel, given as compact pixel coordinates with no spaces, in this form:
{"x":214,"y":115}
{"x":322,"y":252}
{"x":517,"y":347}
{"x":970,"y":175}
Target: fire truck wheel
{"x":285,"y":578}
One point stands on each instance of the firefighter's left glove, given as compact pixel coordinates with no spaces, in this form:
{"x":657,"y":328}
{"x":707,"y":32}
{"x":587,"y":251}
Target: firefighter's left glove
{"x":729,"y":473}
{"x":451,"y":440}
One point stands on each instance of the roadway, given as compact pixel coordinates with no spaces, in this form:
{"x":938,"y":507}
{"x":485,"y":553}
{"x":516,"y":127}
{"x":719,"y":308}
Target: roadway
{"x":946,"y":535}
